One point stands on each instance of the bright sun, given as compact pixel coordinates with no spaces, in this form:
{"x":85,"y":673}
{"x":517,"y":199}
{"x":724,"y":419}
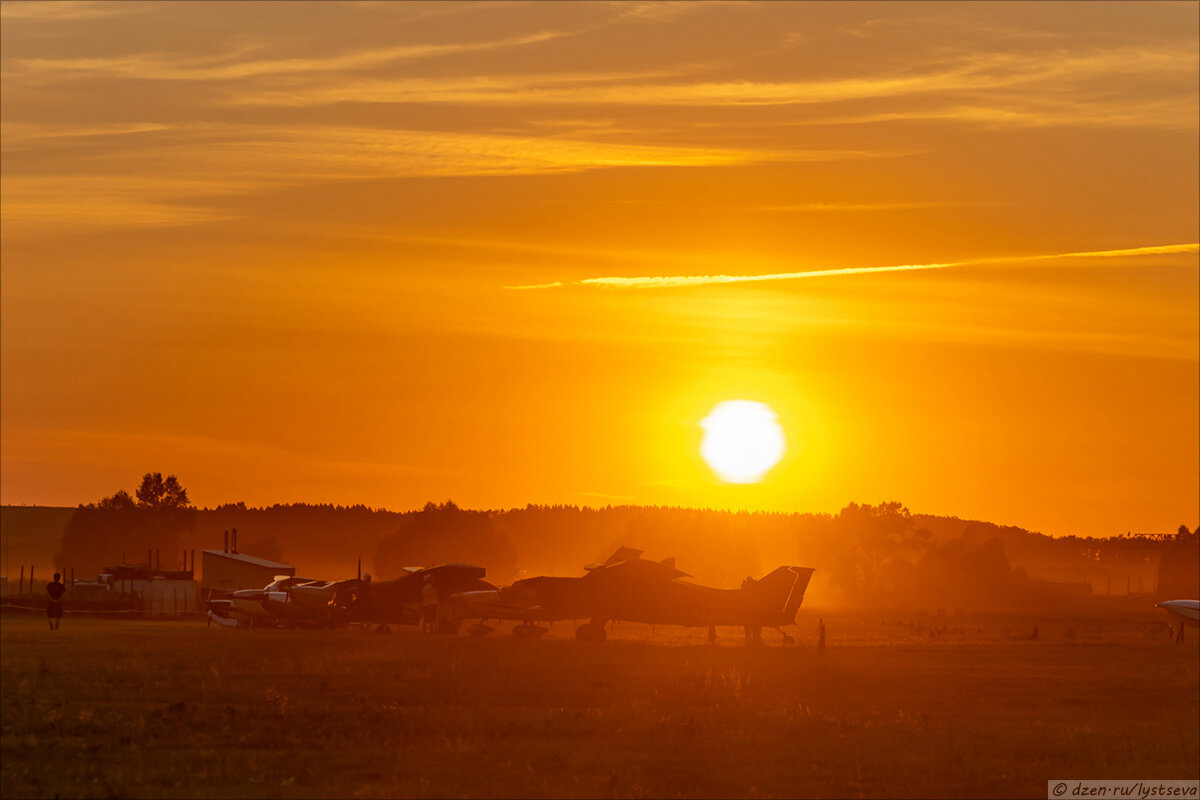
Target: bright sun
{"x":742,"y":440}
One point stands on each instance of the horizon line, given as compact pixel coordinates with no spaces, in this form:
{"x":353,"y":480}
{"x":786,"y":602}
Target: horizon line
{"x":586,"y":507}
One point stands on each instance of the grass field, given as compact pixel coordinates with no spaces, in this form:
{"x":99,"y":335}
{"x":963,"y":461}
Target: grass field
{"x":897,"y":706}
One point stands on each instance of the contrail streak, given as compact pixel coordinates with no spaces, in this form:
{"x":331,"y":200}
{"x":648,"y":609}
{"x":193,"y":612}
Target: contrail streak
{"x":673,"y":281}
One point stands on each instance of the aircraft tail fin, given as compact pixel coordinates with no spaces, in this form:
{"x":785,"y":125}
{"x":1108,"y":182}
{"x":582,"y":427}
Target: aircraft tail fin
{"x":623,"y":554}
{"x":783,"y":591}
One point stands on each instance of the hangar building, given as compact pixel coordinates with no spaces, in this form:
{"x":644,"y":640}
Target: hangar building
{"x":227,"y":571}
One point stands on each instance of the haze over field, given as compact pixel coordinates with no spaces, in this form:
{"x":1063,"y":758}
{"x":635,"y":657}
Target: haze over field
{"x":275,"y":249}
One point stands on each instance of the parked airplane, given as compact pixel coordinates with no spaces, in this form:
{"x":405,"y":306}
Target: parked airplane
{"x":398,"y":602}
{"x":1186,"y":611}
{"x":629,"y":587}
{"x":247,"y":607}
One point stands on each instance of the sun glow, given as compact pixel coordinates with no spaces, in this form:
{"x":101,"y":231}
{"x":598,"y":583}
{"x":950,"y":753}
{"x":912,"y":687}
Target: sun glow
{"x":742,"y":440}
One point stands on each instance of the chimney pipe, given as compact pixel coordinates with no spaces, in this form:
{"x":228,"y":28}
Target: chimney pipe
{"x":226,"y":541}
{"x":360,"y":568}
{"x":233,"y":534}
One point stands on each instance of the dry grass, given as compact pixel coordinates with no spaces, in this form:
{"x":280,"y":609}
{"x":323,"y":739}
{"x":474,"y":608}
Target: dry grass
{"x":898,"y":706}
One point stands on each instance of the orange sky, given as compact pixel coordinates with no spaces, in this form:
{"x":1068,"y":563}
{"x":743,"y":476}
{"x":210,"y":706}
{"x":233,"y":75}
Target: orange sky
{"x":270,"y":248}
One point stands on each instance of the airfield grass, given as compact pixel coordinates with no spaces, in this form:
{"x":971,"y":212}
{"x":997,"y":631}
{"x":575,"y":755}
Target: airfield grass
{"x":896,"y":707}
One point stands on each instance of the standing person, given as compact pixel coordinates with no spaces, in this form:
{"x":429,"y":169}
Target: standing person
{"x":429,"y":603}
{"x":54,"y":607}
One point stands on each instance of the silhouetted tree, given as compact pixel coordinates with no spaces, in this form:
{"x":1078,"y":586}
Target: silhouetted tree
{"x":157,"y":493}
{"x":100,"y":533}
{"x":446,"y":533}
{"x":1179,"y":567}
{"x":872,"y":541}
{"x":120,"y":501}
{"x":965,"y":572}
{"x":265,"y":547}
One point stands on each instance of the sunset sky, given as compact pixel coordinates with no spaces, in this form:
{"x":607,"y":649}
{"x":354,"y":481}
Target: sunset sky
{"x":349,"y":253}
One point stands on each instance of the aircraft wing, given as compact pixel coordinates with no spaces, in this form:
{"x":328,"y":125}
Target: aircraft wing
{"x":1187,"y":611}
{"x":541,"y":599}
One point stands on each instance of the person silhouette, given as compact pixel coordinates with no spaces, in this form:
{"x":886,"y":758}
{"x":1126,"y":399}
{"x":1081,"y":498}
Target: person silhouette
{"x":429,"y":607}
{"x":54,"y":606}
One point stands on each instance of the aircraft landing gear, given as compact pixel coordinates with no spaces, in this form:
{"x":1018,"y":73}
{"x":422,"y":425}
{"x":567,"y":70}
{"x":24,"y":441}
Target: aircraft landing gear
{"x":787,"y":639}
{"x":527,"y":630}
{"x":591,"y":632}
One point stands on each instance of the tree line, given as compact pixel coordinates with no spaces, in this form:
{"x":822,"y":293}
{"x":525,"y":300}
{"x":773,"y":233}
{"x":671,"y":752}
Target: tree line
{"x":864,"y":554}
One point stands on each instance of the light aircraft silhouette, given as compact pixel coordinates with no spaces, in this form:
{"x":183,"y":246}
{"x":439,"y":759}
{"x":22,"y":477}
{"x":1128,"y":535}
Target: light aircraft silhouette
{"x":328,"y":603}
{"x":631,"y":588}
{"x":247,"y":607}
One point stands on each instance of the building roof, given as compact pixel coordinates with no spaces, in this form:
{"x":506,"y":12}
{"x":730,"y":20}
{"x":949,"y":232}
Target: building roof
{"x":245,"y":559}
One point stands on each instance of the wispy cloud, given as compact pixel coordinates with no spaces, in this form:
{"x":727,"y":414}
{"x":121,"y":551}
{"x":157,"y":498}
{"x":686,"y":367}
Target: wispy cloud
{"x":53,"y":205}
{"x":663,"y":10}
{"x":233,"y":65}
{"x":341,"y":151}
{"x":1025,"y":111}
{"x":900,"y":206}
{"x":677,"y":281}
{"x":21,"y":134}
{"x":176,"y":174}
{"x":985,"y":72}
{"x":543,"y":88}
{"x":65,"y":10}
{"x":344,"y":152}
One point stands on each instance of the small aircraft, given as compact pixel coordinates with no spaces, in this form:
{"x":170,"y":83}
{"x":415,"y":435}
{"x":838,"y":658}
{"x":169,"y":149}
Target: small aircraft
{"x":401,"y":601}
{"x":631,"y":588}
{"x":1186,"y":611}
{"x":329,"y":603}
{"x":248,"y":607}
